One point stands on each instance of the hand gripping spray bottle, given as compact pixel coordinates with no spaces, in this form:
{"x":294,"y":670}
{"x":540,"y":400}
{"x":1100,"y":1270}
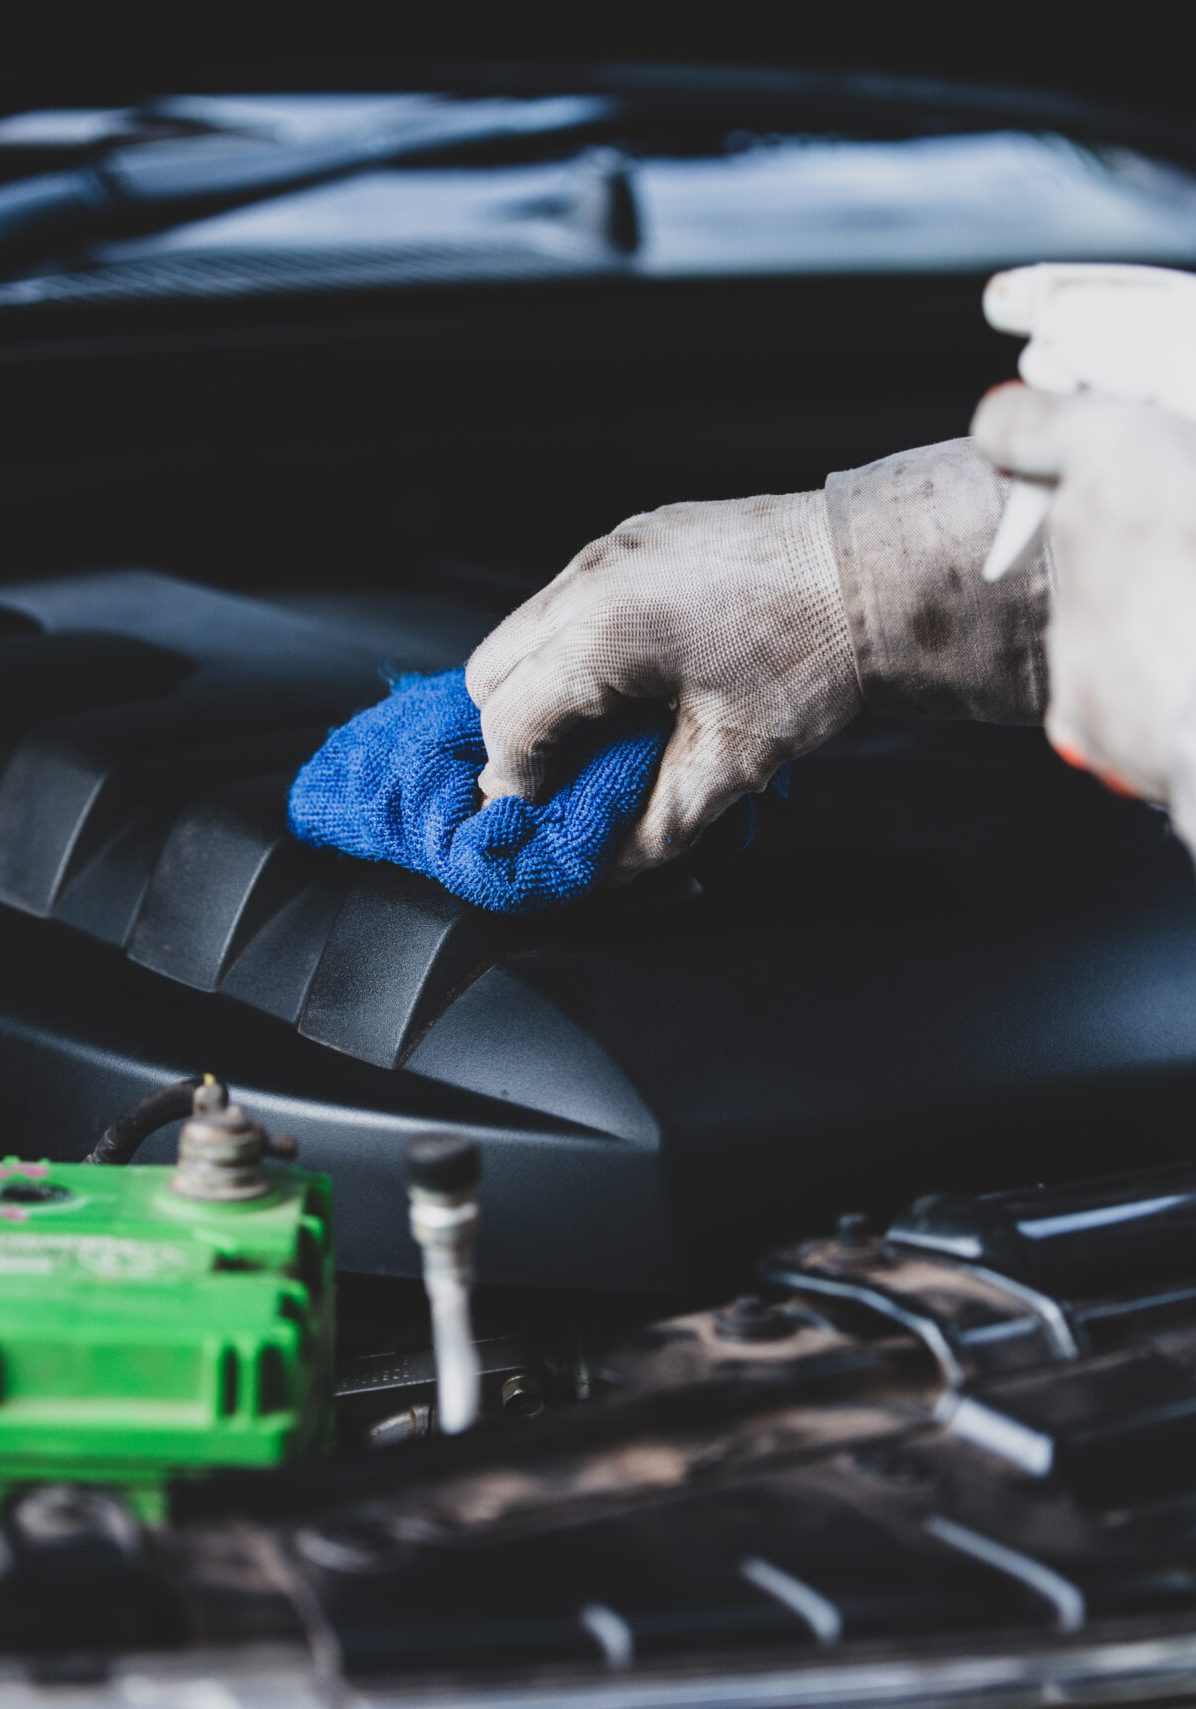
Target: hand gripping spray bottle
{"x":1127,"y":332}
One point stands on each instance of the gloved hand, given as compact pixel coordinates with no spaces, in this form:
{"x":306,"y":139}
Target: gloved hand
{"x":731,"y":611}
{"x":767,"y":623}
{"x":1121,"y":642}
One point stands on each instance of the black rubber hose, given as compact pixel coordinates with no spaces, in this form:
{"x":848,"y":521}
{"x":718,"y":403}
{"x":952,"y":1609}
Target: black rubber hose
{"x":118,"y":1143}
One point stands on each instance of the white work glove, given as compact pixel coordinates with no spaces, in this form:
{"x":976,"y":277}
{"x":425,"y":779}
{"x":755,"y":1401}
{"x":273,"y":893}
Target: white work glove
{"x":767,"y":624}
{"x":1121,"y":641}
{"x":729,"y":611}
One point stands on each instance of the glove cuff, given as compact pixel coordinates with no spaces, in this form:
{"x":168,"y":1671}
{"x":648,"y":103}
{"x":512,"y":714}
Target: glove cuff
{"x":819,"y":629}
{"x":932,"y":639}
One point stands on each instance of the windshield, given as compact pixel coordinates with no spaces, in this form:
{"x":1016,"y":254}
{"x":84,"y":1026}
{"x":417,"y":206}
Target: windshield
{"x":854,"y":177}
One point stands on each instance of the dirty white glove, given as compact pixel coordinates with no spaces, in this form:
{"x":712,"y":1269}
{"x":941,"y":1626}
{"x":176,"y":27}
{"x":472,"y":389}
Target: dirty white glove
{"x":1121,"y":643}
{"x":767,"y":623}
{"x":732,"y":611}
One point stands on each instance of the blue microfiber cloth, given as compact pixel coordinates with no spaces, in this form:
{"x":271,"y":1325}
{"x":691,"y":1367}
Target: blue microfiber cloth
{"x":399,"y":782}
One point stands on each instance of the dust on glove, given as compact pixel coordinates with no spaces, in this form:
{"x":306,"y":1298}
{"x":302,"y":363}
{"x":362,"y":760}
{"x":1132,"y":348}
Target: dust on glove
{"x":730,"y":613}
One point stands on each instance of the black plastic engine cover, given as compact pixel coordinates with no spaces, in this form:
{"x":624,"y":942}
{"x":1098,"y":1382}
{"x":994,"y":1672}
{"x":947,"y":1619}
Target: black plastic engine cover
{"x":949,"y":963}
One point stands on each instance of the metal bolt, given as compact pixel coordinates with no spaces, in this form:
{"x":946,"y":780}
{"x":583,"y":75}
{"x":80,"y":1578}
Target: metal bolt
{"x":522,"y":1396}
{"x":220,"y":1154}
{"x":399,"y":1427}
{"x":209,"y":1097}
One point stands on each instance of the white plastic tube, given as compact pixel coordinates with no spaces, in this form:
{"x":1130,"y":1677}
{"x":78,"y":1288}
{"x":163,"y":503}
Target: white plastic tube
{"x":444,"y":1229}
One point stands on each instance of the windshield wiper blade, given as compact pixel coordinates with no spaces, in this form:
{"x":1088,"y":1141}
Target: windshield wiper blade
{"x":154,"y":186}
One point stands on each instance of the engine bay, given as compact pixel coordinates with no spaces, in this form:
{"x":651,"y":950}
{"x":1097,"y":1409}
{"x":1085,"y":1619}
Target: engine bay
{"x":813,"y":1318}
{"x":944,"y":1459}
{"x":707,"y":1434}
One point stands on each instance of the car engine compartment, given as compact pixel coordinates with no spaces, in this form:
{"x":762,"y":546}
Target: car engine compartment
{"x":834,"y":1297}
{"x":958,"y":1425}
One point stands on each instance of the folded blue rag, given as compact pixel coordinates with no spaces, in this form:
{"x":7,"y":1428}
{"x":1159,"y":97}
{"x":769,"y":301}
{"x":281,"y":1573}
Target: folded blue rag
{"x":399,"y":782}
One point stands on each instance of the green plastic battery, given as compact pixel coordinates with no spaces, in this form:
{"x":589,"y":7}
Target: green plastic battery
{"x":143,"y":1334}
